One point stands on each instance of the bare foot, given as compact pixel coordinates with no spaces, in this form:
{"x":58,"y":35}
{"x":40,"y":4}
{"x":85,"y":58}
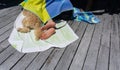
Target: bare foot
{"x":50,"y":24}
{"x":48,"y":33}
{"x":48,"y":29}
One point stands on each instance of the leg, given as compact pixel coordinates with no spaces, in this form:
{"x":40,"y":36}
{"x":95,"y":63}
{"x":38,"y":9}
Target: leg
{"x":48,"y":29}
{"x":38,"y":32}
{"x":23,"y":30}
{"x":48,"y":33}
{"x":50,"y":24}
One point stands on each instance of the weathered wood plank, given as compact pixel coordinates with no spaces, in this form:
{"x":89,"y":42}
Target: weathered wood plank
{"x":9,"y":13}
{"x":91,"y":58}
{"x":119,"y":33}
{"x":37,"y":63}
{"x":70,"y":51}
{"x":3,"y":45}
{"x":13,"y":59}
{"x":115,"y":49}
{"x":92,"y":51}
{"x":70,"y":22}
{"x":7,"y":24}
{"x":52,"y":60}
{"x":24,"y":62}
{"x":56,"y":55}
{"x":6,"y":54}
{"x":81,"y":53}
{"x":5,"y":35}
{"x":6,"y":28}
{"x":5,"y":49}
{"x":7,"y":17}
{"x":6,"y":11}
{"x":103,"y":56}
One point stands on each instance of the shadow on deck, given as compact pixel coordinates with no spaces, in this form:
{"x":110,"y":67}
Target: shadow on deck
{"x":96,"y":49}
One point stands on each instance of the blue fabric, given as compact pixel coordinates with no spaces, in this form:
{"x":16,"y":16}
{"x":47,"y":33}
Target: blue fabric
{"x":55,"y":7}
{"x":85,"y":16}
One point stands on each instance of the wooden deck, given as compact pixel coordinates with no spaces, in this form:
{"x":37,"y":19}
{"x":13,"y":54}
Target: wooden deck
{"x":96,"y":49}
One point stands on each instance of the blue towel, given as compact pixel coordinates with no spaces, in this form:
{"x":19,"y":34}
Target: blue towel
{"x":85,"y":16}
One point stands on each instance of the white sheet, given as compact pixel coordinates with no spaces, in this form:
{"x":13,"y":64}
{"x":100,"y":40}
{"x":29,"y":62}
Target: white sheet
{"x":26,"y":43}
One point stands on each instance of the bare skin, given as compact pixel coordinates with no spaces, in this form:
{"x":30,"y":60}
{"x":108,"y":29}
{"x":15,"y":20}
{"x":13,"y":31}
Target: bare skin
{"x":49,"y":30}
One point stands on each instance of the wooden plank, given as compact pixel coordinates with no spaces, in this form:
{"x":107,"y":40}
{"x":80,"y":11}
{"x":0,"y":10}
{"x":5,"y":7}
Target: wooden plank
{"x":24,"y":62}
{"x":115,"y":49}
{"x":6,"y":54}
{"x":57,"y":53}
{"x":3,"y":10}
{"x":7,"y":24}
{"x":74,"y":25}
{"x":91,"y":58}
{"x":103,"y":56}
{"x":37,"y":63}
{"x":3,"y":45}
{"x":70,"y":51}
{"x":13,"y":59}
{"x":52,"y":59}
{"x":5,"y":35}
{"x":70,"y":22}
{"x":119,"y":32}
{"x":9,"y":14}
{"x":6,"y":11}
{"x":10,"y":20}
{"x":7,"y":17}
{"x":62,"y":59}
{"x":81,"y":53}
{"x":6,"y":28}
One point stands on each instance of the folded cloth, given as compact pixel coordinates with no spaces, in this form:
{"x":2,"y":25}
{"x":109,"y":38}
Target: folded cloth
{"x":85,"y":16}
{"x":47,"y":9}
{"x":26,"y":43}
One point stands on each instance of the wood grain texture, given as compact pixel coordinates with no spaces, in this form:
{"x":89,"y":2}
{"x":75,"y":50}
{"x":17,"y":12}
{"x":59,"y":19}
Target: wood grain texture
{"x":98,"y":46}
{"x":103,"y":55}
